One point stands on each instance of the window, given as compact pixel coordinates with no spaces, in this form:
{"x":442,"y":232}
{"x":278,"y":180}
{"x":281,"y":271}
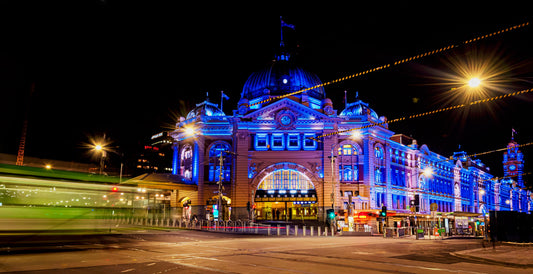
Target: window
{"x":186,"y":162}
{"x":378,"y":152}
{"x":348,"y":175}
{"x":214,"y":162}
{"x":277,"y":141}
{"x":378,"y":175}
{"x":347,"y":149}
{"x":293,"y":142}
{"x":309,"y":144}
{"x":286,"y":179}
{"x":261,"y":141}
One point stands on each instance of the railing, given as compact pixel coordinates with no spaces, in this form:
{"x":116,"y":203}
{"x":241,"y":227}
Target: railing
{"x":239,"y":226}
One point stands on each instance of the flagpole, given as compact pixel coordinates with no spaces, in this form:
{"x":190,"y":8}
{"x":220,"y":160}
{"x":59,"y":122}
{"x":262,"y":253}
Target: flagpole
{"x":222,"y":100}
{"x":345,"y":100}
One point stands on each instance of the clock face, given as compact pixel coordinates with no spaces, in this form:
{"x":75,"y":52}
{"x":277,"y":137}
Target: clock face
{"x":285,"y":120}
{"x":512,"y":167}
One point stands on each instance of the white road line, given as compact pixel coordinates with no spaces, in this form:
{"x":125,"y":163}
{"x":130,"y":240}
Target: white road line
{"x":150,"y":264}
{"x":201,"y":267}
{"x":127,"y":270}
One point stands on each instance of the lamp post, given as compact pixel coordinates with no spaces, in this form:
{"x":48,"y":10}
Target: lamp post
{"x":427,"y":173}
{"x":100,"y":149}
{"x":332,"y":157}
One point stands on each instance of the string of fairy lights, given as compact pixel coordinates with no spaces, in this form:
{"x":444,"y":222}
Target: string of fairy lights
{"x":429,"y":53}
{"x":486,"y":100}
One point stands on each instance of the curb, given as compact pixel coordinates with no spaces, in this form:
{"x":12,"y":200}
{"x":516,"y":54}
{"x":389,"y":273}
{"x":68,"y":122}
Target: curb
{"x":480,"y":259}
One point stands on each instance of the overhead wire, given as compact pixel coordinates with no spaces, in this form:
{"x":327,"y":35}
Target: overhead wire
{"x":476,"y":102}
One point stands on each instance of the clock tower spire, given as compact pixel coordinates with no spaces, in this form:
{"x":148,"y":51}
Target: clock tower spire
{"x":513,"y":162}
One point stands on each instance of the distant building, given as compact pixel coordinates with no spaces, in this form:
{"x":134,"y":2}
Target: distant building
{"x":156,"y":155}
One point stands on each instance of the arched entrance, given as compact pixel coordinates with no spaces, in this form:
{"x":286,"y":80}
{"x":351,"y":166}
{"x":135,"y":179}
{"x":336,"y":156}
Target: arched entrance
{"x":285,"y":192}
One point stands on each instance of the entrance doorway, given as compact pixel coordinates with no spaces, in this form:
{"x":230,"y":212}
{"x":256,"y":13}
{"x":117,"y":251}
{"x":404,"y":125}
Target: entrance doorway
{"x":285,"y":211}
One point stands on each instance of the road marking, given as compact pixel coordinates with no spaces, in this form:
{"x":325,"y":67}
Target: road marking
{"x":127,"y":270}
{"x":150,"y":264}
{"x":201,"y":267}
{"x":362,"y":253}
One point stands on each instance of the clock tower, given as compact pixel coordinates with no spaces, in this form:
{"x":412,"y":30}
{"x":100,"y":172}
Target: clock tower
{"x":513,"y":162}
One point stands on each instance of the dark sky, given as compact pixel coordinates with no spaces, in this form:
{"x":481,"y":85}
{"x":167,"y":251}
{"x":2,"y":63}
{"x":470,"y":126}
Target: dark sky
{"x":127,"y":71}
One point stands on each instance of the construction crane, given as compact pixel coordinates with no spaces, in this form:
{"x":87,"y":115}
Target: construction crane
{"x":22,"y":144}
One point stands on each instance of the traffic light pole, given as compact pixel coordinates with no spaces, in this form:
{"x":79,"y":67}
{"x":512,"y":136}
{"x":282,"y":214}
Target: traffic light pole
{"x":220,"y":174}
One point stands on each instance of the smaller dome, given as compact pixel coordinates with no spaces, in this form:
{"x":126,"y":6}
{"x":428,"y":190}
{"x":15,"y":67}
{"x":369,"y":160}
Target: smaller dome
{"x":358,"y":108}
{"x":205,"y":108}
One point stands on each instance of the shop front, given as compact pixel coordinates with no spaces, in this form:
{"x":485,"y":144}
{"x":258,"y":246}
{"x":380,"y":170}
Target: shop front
{"x":285,"y":205}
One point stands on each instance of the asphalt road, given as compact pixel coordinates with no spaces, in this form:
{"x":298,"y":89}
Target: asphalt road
{"x":182,"y":251}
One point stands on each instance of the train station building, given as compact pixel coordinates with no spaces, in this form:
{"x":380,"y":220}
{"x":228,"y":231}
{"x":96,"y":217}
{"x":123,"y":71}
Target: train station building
{"x":272,"y":169}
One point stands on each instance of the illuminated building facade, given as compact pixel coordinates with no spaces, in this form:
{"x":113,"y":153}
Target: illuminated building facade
{"x":270,"y":167}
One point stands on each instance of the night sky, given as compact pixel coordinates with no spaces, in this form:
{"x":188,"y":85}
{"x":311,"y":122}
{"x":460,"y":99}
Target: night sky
{"x":129,"y":71}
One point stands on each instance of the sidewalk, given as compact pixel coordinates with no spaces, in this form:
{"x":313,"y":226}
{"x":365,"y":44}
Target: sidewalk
{"x":516,"y":255}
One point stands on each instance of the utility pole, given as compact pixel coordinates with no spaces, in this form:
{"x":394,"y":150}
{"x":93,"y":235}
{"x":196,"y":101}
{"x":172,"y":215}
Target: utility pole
{"x":220,"y":177}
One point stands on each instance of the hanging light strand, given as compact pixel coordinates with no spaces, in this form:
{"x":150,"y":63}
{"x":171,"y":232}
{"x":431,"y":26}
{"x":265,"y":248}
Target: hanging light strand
{"x":429,"y":53}
{"x":486,"y":100}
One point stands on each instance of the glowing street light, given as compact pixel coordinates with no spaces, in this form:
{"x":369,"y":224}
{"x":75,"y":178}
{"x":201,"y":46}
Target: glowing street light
{"x":474,"y":82}
{"x":190,"y":130}
{"x":428,"y":172}
{"x":356,"y":135}
{"x":98,"y":147}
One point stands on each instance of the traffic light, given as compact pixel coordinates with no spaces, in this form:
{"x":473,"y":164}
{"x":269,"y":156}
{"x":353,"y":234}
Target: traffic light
{"x":114,"y":189}
{"x":415,"y":202}
{"x":383,"y":211}
{"x":331,"y":214}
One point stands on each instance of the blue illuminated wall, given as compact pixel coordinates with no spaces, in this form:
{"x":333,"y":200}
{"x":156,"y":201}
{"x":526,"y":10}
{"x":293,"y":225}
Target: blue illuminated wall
{"x":175,"y":161}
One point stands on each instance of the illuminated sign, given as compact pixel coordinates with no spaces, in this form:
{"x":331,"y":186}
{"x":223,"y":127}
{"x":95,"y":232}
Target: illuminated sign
{"x":160,"y":134}
{"x":273,"y":195}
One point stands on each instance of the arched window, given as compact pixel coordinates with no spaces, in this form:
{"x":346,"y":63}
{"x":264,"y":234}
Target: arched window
{"x":378,"y":152}
{"x":286,"y":179}
{"x":214,"y":162}
{"x":186,"y":161}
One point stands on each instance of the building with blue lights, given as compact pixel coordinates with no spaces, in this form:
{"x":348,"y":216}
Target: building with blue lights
{"x":271,"y":169}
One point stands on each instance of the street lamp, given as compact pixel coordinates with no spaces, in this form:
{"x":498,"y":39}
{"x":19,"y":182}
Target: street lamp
{"x":356,"y":135}
{"x":100,"y":148}
{"x":474,"y":82}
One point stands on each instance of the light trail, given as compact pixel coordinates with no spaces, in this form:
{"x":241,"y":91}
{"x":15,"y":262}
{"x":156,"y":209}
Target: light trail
{"x":405,"y":60}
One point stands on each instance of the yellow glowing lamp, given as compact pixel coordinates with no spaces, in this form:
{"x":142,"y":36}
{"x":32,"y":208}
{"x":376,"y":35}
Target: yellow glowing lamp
{"x":474,"y":82}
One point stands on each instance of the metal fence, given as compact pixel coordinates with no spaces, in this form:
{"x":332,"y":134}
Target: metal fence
{"x":239,"y":227}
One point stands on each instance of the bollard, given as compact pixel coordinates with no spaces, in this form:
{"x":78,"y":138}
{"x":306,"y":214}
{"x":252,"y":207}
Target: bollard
{"x":318,"y":230}
{"x":278,"y":230}
{"x":296,"y":230}
{"x":256,"y":228}
{"x":311,"y":231}
{"x":303,"y":230}
{"x":326,"y":231}
{"x":268,"y":230}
